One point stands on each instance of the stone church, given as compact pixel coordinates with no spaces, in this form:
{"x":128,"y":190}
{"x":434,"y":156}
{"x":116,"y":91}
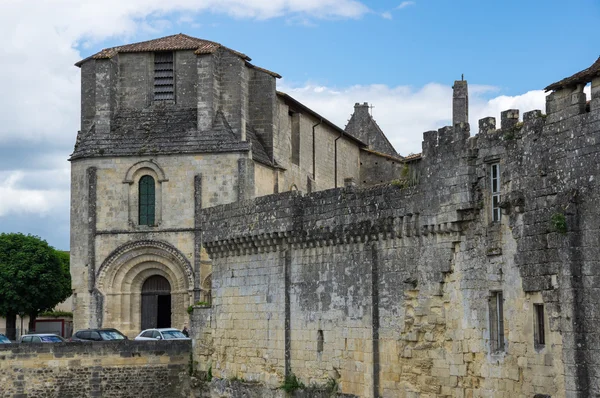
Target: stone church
{"x":172,"y":126}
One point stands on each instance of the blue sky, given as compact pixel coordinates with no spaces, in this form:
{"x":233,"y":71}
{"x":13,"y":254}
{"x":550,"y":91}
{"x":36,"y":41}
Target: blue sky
{"x":401,"y":56}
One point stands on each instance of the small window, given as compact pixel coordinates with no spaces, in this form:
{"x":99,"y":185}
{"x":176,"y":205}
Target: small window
{"x":495,"y":191}
{"x":295,"y":122}
{"x":496,"y":322}
{"x":147,"y":202}
{"x":539,"y":332}
{"x":95,"y":336}
{"x":320,"y":341}
{"x":147,"y":333}
{"x":164,"y":81}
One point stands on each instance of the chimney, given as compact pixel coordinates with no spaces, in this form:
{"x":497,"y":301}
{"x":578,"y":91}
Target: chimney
{"x":460,"y":102}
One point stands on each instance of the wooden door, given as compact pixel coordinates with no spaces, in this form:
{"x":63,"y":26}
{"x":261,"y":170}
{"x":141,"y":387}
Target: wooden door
{"x":149,"y":310}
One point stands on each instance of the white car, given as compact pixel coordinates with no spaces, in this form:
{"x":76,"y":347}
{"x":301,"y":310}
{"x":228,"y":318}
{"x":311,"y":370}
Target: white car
{"x":161,"y":334}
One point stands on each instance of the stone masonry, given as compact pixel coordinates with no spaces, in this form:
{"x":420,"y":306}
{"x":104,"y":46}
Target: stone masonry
{"x":474,"y":273}
{"x":469,"y":270}
{"x":113,"y":369}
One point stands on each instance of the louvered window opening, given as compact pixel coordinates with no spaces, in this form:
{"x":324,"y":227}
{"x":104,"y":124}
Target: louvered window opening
{"x":147,"y":201}
{"x":164,"y":80}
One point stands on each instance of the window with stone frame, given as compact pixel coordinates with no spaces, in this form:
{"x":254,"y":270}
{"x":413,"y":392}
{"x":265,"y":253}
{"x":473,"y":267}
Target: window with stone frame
{"x":495,"y":191}
{"x":147,"y":203}
{"x":539,"y":332}
{"x":496,"y":314}
{"x":164,"y":77}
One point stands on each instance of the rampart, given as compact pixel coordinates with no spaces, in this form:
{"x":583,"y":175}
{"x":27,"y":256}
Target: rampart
{"x":393,"y":290}
{"x":74,"y":370}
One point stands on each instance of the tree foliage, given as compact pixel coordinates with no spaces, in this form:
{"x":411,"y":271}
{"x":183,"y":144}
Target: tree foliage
{"x":34,"y":277}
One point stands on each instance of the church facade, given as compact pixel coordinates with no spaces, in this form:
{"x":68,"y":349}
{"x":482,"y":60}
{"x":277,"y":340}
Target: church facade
{"x":169,"y":127}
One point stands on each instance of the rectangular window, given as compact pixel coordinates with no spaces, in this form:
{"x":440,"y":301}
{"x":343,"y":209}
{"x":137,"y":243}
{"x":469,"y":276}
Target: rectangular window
{"x":295,"y":122}
{"x":539,"y":333}
{"x":496,"y":322}
{"x":495,"y":191}
{"x":164,"y":81}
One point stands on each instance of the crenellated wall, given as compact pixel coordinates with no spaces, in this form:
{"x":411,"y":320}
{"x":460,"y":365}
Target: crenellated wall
{"x":387,"y":290}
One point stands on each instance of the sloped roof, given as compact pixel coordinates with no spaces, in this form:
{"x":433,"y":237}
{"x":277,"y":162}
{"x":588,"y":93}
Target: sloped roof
{"x":300,"y":106}
{"x":583,"y":77}
{"x":259,"y":153}
{"x":362,"y":126}
{"x":171,"y":132}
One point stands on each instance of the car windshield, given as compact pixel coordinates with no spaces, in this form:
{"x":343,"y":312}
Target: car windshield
{"x":50,"y":339}
{"x":4,"y":339}
{"x":111,"y":335}
{"x":173,"y":334}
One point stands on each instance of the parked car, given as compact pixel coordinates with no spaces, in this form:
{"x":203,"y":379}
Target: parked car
{"x":161,"y":334}
{"x":4,"y":339}
{"x":107,"y":334}
{"x":41,"y":338}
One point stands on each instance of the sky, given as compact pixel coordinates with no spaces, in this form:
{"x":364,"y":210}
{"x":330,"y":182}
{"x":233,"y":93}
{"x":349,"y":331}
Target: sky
{"x":400,"y":56}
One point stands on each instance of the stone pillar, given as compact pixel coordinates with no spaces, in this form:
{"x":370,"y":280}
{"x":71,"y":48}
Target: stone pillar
{"x":245,"y":179}
{"x":595,"y":100}
{"x":207,"y":95}
{"x":105,"y":90}
{"x":460,"y":102}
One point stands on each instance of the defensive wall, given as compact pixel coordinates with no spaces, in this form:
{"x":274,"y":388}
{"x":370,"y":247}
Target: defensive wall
{"x":107,"y":369}
{"x":412,"y":288}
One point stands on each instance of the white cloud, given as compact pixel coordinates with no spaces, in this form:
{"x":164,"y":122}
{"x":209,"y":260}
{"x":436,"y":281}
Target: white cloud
{"x":16,"y":199}
{"x":386,"y":15}
{"x":405,"y":4}
{"x":404,"y":112}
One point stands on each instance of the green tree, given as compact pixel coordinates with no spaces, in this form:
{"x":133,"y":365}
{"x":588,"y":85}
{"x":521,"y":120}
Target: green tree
{"x":34,"y":277}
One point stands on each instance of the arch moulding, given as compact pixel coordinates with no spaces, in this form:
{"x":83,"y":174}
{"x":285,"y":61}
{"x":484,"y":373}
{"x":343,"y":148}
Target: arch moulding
{"x":128,"y":252}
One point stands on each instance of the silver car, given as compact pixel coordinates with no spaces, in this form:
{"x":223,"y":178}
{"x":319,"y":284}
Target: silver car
{"x":161,"y":334}
{"x":41,"y":338}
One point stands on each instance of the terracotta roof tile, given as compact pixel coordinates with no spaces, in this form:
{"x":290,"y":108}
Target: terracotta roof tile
{"x":583,"y":77}
{"x":179,"y":41}
{"x":414,"y":156}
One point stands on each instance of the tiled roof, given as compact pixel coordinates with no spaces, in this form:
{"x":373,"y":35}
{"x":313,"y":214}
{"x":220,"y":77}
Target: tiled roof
{"x":413,"y":156}
{"x":385,"y":155}
{"x":583,"y":77}
{"x":171,"y":132}
{"x":300,"y":106}
{"x":259,"y":153}
{"x":179,"y":41}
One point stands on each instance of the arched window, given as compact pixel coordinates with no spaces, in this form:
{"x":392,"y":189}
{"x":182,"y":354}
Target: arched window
{"x":147,"y":201}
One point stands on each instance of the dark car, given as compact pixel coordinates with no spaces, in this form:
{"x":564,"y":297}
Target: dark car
{"x":98,"y":335}
{"x":4,"y":339}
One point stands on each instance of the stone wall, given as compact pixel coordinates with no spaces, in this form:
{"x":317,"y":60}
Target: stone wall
{"x":75,"y":370}
{"x":328,"y":140}
{"x":104,"y":223}
{"x":390,"y":291}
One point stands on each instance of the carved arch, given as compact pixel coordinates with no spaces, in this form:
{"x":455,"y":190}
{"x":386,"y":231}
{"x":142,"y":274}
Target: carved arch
{"x":122,"y":274}
{"x":132,"y":178}
{"x":129,"y":252}
{"x":145,"y":164}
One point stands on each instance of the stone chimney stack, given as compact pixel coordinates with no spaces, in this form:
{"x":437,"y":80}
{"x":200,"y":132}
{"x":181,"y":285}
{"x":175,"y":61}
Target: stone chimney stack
{"x":460,"y":102}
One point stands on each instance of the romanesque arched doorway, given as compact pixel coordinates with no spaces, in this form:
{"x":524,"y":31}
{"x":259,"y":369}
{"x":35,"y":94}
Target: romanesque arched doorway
{"x":139,"y":271}
{"x":156,"y":303}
